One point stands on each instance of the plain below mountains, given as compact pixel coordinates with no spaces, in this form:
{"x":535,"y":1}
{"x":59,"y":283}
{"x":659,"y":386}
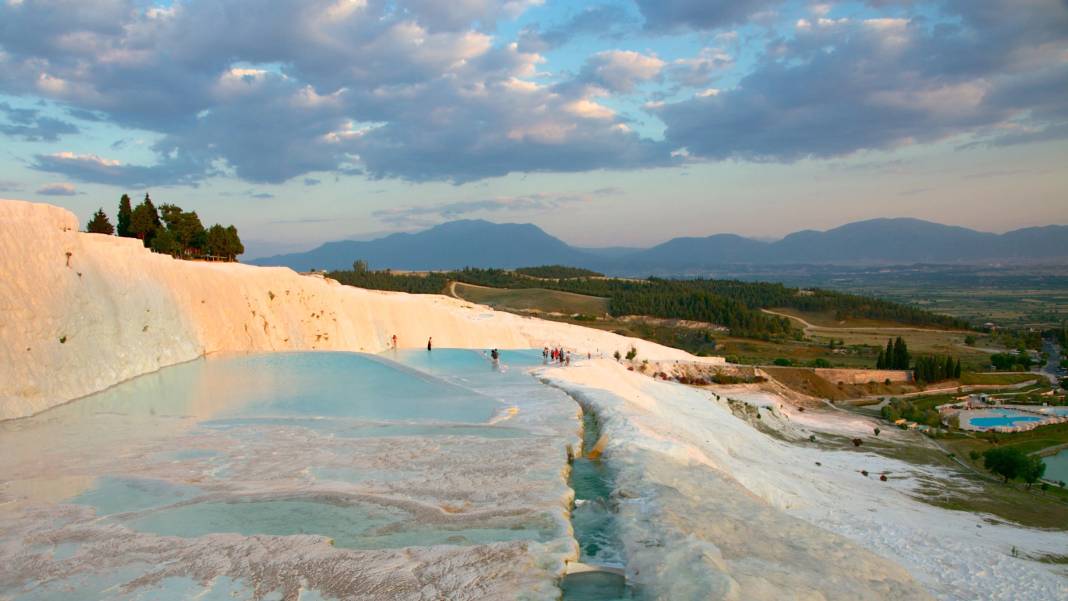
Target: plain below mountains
{"x":476,"y":243}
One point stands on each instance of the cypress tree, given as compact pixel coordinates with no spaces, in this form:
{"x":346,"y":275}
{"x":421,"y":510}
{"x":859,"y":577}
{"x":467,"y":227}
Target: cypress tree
{"x":100,"y":224}
{"x":888,"y":361}
{"x":125,"y":211}
{"x":152,"y":211}
{"x":901,"y":354}
{"x":880,"y":363}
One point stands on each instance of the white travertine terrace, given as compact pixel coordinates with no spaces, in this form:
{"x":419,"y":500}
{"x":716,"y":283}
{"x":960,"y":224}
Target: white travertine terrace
{"x":81,"y":312}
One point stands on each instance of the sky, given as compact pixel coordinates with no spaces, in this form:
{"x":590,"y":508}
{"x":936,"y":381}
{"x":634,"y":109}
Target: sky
{"x":607,"y":123}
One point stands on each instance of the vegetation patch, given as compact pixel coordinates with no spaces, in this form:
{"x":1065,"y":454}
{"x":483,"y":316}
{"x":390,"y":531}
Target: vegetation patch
{"x":557,"y":272}
{"x":533,"y":299}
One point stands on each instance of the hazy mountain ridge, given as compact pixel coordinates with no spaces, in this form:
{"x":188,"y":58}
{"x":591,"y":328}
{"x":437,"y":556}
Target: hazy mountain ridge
{"x":478,"y":243}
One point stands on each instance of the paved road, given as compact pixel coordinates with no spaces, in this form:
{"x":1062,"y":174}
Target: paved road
{"x":1052,"y":368}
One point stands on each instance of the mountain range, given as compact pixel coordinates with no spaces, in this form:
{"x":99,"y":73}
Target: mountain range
{"x":477,"y":243}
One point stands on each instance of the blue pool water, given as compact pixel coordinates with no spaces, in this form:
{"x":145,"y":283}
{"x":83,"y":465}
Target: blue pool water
{"x":1001,"y":418}
{"x":992,"y":422}
{"x":307,"y":454}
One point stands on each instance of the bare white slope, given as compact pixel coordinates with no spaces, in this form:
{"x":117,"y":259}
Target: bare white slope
{"x":746,"y":515}
{"x":80,"y":312}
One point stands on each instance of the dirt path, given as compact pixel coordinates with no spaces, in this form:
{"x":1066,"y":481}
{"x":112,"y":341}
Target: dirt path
{"x":811,"y":326}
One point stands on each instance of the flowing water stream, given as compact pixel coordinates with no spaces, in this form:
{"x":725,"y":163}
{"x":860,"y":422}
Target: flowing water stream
{"x":595,"y":523}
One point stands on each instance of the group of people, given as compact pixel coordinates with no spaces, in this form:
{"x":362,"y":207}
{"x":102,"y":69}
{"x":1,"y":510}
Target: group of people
{"x":556,"y":355}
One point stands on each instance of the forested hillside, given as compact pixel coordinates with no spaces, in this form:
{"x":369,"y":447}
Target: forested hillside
{"x":733,"y":304}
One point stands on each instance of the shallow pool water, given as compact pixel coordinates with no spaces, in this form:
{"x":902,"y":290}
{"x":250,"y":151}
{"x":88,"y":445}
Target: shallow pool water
{"x":335,"y":475}
{"x":1057,"y":466}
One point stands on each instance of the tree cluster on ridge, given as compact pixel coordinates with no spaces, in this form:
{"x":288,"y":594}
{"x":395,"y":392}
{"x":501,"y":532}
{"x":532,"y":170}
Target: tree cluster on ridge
{"x":169,"y":230}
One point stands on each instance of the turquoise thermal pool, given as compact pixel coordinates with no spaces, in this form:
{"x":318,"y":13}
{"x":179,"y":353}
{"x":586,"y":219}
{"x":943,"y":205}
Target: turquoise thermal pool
{"x":294,"y":476}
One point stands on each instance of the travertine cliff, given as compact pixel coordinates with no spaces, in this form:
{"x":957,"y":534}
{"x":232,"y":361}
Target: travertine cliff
{"x":80,"y":312}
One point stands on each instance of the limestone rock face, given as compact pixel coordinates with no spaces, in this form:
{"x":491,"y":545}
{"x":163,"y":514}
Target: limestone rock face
{"x":80,"y":312}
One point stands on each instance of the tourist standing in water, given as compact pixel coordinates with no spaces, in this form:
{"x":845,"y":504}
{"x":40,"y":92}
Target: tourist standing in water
{"x":429,"y":343}
{"x":394,"y":342}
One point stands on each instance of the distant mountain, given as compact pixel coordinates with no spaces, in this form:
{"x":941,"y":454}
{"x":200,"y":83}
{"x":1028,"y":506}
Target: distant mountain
{"x":876,"y":241}
{"x":476,"y":243}
{"x":452,"y":245}
{"x":688,"y":253}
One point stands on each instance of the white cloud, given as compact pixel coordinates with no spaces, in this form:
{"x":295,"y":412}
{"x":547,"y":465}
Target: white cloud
{"x":61,"y":189}
{"x":621,"y":70}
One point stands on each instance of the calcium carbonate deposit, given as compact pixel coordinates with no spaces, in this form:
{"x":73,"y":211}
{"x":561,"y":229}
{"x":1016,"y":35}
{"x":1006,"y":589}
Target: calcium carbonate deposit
{"x":85,"y":311}
{"x":236,"y":443}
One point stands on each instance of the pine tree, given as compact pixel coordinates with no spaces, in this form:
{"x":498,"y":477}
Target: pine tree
{"x":164,"y":242}
{"x":215,"y":242}
{"x":880,"y":363}
{"x":233,"y":246}
{"x":100,"y":224}
{"x":144,"y":222}
{"x":222,"y":241}
{"x":956,"y":370}
{"x":124,"y":217}
{"x":889,"y":360}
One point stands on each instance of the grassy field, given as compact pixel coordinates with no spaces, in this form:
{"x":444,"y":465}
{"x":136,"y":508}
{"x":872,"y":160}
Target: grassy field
{"x":829,"y":320}
{"x":806,"y":381}
{"x":533,"y":299}
{"x":973,"y":489}
{"x":799,"y":352}
{"x":1013,"y":296}
{"x":851,"y":344}
{"x":971,"y":378}
{"x":1031,"y":441}
{"x":859,"y":349}
{"x":865,"y":333}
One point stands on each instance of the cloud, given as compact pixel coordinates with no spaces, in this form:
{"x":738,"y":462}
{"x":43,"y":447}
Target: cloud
{"x":10,"y":186}
{"x":410,"y":216}
{"x":602,"y":20}
{"x":413,"y":89}
{"x":422,"y":90}
{"x":699,"y":14}
{"x":620,"y":70}
{"x":701,"y":69}
{"x":92,"y":168}
{"x":311,"y":181}
{"x":58,"y":190}
{"x":843,"y":86}
{"x":29,"y":125}
{"x":458,"y":15}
